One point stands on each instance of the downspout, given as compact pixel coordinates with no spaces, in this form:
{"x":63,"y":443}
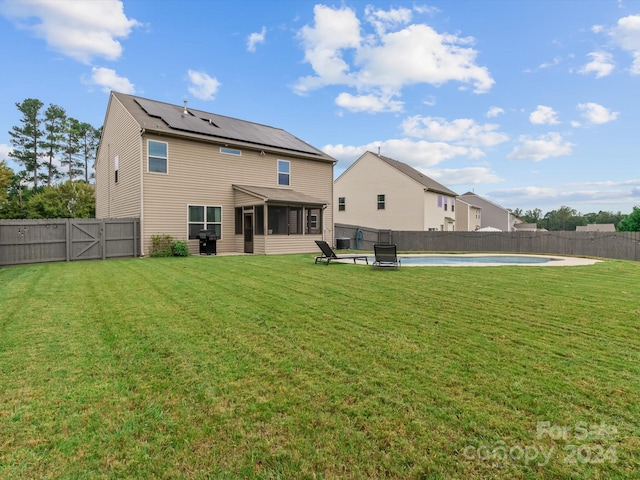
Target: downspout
{"x":142,"y":132}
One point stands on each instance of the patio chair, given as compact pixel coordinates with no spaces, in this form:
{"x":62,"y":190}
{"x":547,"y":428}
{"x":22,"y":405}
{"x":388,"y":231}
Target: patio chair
{"x":328,"y":254}
{"x":386,"y":256}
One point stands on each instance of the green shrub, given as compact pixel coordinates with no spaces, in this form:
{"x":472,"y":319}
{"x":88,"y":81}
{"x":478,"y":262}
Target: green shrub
{"x":161,"y":245}
{"x":180,"y":249}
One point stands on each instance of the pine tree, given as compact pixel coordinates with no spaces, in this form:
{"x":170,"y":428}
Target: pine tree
{"x":54,"y":125}
{"x":27,"y":138}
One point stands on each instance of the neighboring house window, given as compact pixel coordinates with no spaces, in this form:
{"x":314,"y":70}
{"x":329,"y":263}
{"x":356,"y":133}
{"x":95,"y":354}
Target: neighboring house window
{"x":453,"y":205}
{"x":230,"y":151}
{"x":439,"y":200}
{"x":284,"y":172}
{"x":116,"y":161}
{"x":445,"y":204}
{"x":158,"y":157}
{"x":203,"y":217}
{"x":381,"y":202}
{"x":342,"y":204}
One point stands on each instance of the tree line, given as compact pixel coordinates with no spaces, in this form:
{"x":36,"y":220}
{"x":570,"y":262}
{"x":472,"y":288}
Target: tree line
{"x":57,"y":153}
{"x":567,"y":218}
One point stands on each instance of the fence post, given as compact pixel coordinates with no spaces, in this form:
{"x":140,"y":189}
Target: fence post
{"x":67,"y":234}
{"x":103,"y":239}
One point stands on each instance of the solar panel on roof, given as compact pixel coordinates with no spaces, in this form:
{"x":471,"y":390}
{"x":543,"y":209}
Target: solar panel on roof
{"x":223,"y":127}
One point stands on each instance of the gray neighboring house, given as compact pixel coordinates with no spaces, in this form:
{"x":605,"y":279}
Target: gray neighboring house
{"x":596,"y":227}
{"x":493,"y":215}
{"x":383,"y":193}
{"x":181,"y":170}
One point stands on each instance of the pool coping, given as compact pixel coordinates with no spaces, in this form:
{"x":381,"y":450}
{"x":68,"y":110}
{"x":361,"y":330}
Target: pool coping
{"x":558,"y":260}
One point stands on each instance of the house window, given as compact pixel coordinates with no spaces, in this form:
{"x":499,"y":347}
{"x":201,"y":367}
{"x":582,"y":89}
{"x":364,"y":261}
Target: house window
{"x":259,"y":213}
{"x":284,"y":172}
{"x":288,"y":219}
{"x":203,"y":217}
{"x":439,"y":200}
{"x":445,"y":204}
{"x":116,"y":162}
{"x":453,"y":205}
{"x":158,"y":157}
{"x":381,"y":202}
{"x":230,"y":151}
{"x":238,"y":229}
{"x":342,"y":205}
{"x":313,"y":223}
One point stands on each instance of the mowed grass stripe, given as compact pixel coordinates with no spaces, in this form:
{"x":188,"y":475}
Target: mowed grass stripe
{"x":273,"y":367}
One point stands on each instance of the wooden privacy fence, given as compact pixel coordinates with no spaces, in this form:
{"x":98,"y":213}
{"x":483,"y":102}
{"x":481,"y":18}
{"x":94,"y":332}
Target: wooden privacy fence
{"x":68,"y":239}
{"x":620,"y":245}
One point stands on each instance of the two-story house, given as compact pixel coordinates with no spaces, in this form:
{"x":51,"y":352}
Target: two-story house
{"x":493,"y":215}
{"x":379,"y":192}
{"x":181,"y":170}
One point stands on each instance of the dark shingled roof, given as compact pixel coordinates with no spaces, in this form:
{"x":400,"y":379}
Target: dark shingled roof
{"x":166,"y":118}
{"x":411,"y":172}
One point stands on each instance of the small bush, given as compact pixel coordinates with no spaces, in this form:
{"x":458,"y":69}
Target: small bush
{"x":180,"y":249}
{"x":162,"y":245}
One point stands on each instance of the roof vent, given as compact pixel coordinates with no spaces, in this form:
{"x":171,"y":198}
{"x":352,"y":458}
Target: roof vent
{"x":185,"y":111}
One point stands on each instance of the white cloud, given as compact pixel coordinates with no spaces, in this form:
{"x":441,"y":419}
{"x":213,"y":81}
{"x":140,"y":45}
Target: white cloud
{"x":415,"y":153}
{"x":595,"y":113}
{"x":463,"y":131}
{"x":494,"y":112}
{"x":202,"y":85}
{"x":543,"y":115}
{"x":256,"y":38}
{"x":553,"y":63}
{"x":4,"y":151}
{"x":601,"y":64}
{"x":383,"y":62}
{"x":80,"y":30}
{"x":626,"y":35}
{"x":463,"y":176}
{"x":108,"y":80}
{"x":382,"y":20}
{"x":368,"y":103}
{"x":545,"y":146}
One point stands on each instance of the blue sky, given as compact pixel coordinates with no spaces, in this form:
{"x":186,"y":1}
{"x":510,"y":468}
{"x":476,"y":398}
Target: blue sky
{"x":529,"y":103}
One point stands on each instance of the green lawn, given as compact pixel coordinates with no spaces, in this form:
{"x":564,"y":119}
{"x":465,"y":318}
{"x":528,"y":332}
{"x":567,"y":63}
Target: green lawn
{"x":275,"y":367}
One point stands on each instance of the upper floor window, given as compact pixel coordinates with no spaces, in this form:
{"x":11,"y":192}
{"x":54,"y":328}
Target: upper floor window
{"x":230,"y":151}
{"x":453,"y":205}
{"x":284,"y":172}
{"x":342,"y":204}
{"x":381,"y":202}
{"x":158,"y":157}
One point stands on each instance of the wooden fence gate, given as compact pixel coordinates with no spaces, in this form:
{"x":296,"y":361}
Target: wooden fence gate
{"x":59,"y":240}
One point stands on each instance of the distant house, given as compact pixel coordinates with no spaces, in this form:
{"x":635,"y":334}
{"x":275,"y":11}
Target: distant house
{"x":525,"y":227}
{"x":493,"y":215}
{"x":181,"y":170}
{"x":468,"y":216}
{"x":596,"y":227}
{"x":379,"y":192}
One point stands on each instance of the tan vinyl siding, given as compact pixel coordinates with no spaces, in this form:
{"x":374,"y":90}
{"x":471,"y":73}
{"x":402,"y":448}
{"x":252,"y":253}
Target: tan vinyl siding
{"x":121,"y":138}
{"x":198,"y":174}
{"x":364,"y":181}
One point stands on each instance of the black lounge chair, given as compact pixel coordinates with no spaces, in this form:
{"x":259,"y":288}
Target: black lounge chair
{"x":386,"y":256}
{"x":328,"y":254}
